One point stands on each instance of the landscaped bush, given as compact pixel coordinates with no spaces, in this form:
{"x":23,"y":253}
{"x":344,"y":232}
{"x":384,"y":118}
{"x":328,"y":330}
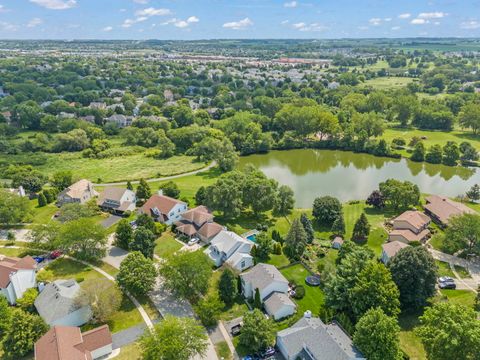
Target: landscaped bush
{"x":299,"y":292}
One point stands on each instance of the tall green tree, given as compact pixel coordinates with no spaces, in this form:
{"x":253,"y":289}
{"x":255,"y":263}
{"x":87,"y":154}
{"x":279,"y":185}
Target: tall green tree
{"x":25,"y":329}
{"x":209,"y":309}
{"x":295,"y":241}
{"x":376,"y":336}
{"x":123,"y":234}
{"x":474,"y":193}
{"x":170,"y":188}
{"x":6,"y":313}
{"x":463,"y":233}
{"x":174,"y":338}
{"x":338,"y":226}
{"x":13,"y":209}
{"x":398,"y":194}
{"x":308,"y":227}
{"x":361,"y":229}
{"x":418,"y":153}
{"x":450,"y":331}
{"x":415,"y":273}
{"x":469,"y":116}
{"x":258,"y":332}
{"x":285,"y":201}
{"x":137,"y":274}
{"x":374,"y":287}
{"x":143,"y":191}
{"x":451,"y":153}
{"x":143,"y":241}
{"x":187,"y":274}
{"x":263,"y":246}
{"x":84,"y":238}
{"x":62,"y":179}
{"x":326,"y":209}
{"x":434,"y":154}
{"x":227,"y":287}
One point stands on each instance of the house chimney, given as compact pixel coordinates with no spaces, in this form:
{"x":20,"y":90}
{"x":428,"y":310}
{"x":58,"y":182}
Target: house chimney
{"x":307,"y":314}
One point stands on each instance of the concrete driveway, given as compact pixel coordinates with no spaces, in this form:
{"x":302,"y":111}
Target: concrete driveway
{"x":115,"y":256}
{"x":111,"y":220}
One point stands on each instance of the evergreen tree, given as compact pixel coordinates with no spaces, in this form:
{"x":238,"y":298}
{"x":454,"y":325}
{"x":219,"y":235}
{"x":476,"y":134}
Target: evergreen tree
{"x":200,"y":195}
{"x":418,"y":153}
{"x":295,"y":241}
{"x":361,"y":230}
{"x":257,"y":302}
{"x":129,"y":185}
{"x":143,"y":241}
{"x":338,"y":226}
{"x":42,"y":200}
{"x":307,"y":225}
{"x":143,"y":191}
{"x":227,"y":287}
{"x":474,"y":193}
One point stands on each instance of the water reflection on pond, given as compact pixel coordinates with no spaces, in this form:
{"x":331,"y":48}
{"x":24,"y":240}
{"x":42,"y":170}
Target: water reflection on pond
{"x":350,"y":176}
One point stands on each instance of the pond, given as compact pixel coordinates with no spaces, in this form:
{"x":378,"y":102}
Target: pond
{"x":350,"y":176}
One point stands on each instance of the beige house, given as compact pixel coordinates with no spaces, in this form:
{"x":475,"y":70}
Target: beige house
{"x":80,"y":192}
{"x":198,"y":222}
{"x":441,"y":209}
{"x":410,"y":226}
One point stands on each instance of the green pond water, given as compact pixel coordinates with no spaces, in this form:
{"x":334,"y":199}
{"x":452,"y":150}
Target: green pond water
{"x":350,"y":176}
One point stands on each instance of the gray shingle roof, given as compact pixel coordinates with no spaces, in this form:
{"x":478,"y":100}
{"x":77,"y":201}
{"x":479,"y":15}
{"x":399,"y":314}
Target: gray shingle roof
{"x":324,"y":342}
{"x":276,"y":302}
{"x":263,"y":275}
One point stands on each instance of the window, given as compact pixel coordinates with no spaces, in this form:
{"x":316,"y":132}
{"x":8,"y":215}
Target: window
{"x":242,"y":264}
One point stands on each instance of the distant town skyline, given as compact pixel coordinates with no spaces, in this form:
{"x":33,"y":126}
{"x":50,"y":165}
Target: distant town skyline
{"x":222,"y":19}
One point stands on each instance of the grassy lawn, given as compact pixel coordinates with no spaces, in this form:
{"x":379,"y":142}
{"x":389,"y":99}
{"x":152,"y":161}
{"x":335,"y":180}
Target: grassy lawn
{"x":462,"y":272}
{"x":120,"y":168}
{"x":409,"y":342}
{"x":166,"y":245}
{"x":444,"y":269}
{"x":461,"y":297}
{"x":124,"y":318}
{"x":129,"y":352}
{"x":19,"y":252}
{"x":223,"y":351}
{"x":314,"y":297}
{"x":42,"y":215}
{"x":278,"y":260}
{"x":238,"y":308}
{"x":433,"y":137}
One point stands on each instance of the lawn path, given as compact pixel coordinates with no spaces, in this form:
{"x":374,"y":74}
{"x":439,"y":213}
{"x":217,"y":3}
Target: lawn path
{"x":165,"y":178}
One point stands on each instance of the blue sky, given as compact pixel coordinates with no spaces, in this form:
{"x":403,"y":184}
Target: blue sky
{"x":209,"y":19}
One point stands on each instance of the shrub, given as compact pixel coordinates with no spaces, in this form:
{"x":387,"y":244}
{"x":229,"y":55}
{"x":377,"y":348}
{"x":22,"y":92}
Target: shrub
{"x":299,"y":292}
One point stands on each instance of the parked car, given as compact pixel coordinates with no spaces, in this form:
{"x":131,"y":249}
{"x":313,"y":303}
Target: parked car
{"x":39,"y":259}
{"x":55,"y":254}
{"x":236,"y":330}
{"x":193,"y":241}
{"x":268,"y":352}
{"x":447,"y":285}
{"x":442,"y":279}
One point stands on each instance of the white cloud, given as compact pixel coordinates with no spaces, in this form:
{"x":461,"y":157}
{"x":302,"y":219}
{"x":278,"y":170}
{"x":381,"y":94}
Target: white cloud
{"x":470,"y":25}
{"x":395,"y":28}
{"x":291,"y":4}
{"x":107,"y":28}
{"x":6,"y":26}
{"x":141,"y":1}
{"x":182,"y":23}
{"x":34,"y":22}
{"x":432,"y":15}
{"x":309,"y":27}
{"x":285,"y":22}
{"x":404,"y":16}
{"x":55,"y":4}
{"x":418,"y":21}
{"x":152,"y":12}
{"x":238,"y":25}
{"x":387,"y":19}
{"x":375,"y":21}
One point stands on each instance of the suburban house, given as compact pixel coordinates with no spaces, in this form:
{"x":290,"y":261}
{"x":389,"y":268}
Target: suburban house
{"x":311,"y":339}
{"x":80,"y":192}
{"x":121,"y":120}
{"x":68,"y":343}
{"x":441,"y":209}
{"x":198,"y":222}
{"x":164,"y":209}
{"x":410,"y":226}
{"x":20,"y":191}
{"x":57,"y":305}
{"x":272,"y":287}
{"x":390,"y":249}
{"x":117,"y":200}
{"x":16,"y":276}
{"x":228,"y":247}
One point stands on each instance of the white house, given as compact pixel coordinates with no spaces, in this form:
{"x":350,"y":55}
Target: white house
{"x":16,"y":276}
{"x":228,"y":247}
{"x":68,"y":343}
{"x":80,"y":192}
{"x":272,"y":287}
{"x":164,"y":209}
{"x":57,"y":304}
{"x":117,"y":200}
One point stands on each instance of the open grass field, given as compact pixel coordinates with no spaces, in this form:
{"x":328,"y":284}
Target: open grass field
{"x":129,"y":352}
{"x":314,"y":298}
{"x":122,"y":168}
{"x":166,"y":245}
{"x":409,"y":342}
{"x":387,"y":83}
